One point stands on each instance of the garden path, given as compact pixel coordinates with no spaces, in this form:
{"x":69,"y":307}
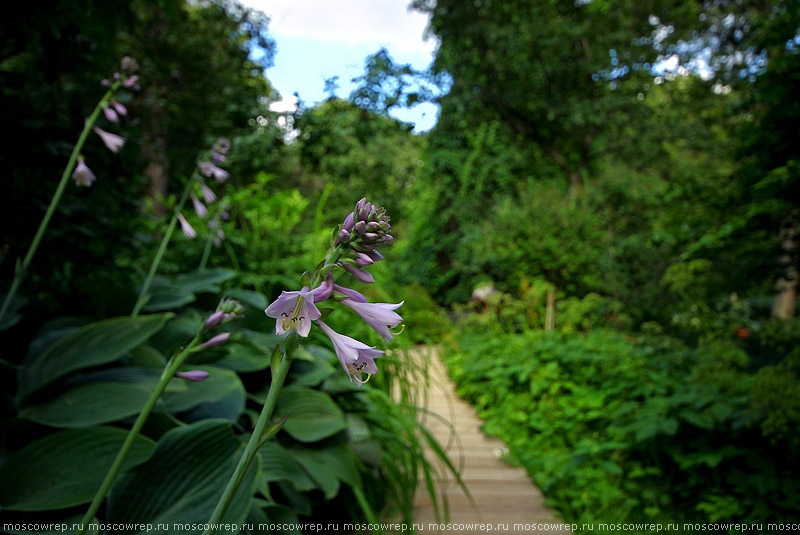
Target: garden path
{"x":503,"y":495}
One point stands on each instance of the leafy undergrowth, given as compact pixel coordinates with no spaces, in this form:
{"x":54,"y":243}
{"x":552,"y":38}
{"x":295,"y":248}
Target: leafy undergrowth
{"x":614,"y":429}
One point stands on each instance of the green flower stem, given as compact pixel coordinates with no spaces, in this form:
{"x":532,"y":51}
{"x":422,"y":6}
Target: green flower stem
{"x":252,"y":445}
{"x":209,"y":241}
{"x":22,"y":269}
{"x":140,"y":302}
{"x":169,"y":371}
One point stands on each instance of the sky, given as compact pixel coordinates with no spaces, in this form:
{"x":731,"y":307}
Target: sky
{"x":319,"y":39}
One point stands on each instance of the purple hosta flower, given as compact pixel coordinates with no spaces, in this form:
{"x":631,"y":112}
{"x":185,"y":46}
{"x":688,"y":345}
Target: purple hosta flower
{"x":343,"y":237}
{"x":120,"y":109}
{"x":112,"y":141}
{"x":210,"y":170}
{"x":110,"y":114}
{"x":356,"y":357}
{"x":380,"y":316}
{"x":294,"y":311}
{"x":193,"y":375}
{"x":105,"y":82}
{"x":131,"y":82}
{"x":217,"y":157}
{"x":360,"y":274}
{"x":199,"y":208}
{"x":186,"y":228}
{"x":208,"y":194}
{"x":82,"y":175}
{"x":217,"y":340}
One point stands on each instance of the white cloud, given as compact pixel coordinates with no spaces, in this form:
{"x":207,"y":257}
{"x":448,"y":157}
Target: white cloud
{"x":381,"y":22}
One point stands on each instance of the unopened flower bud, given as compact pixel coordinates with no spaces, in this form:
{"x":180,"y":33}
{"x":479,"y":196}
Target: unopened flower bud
{"x":360,"y":227}
{"x":128,"y":64}
{"x":110,"y":114}
{"x":122,"y":110}
{"x":194,"y":375}
{"x":217,"y":340}
{"x":214,"y":319}
{"x":343,"y":237}
{"x":130,"y":82}
{"x":360,"y":274}
{"x":186,"y":228}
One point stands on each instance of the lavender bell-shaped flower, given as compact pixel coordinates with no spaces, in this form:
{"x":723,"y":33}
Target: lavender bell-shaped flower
{"x":294,"y":311}
{"x":208,"y":193}
{"x":186,"y":228}
{"x":112,"y":141}
{"x":199,"y":208}
{"x":210,"y":170}
{"x":355,"y":357}
{"x":380,"y":316}
{"x":82,"y":175}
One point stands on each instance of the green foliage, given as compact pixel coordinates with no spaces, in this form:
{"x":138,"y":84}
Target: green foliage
{"x":623,"y":430}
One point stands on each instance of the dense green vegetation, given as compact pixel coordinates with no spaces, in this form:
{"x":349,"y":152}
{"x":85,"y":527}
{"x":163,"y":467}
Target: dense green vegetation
{"x":631,"y":230}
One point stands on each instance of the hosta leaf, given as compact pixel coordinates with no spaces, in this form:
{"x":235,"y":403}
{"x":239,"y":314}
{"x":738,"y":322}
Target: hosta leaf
{"x":314,"y":414}
{"x":91,"y":345}
{"x":183,"y":479}
{"x":64,"y":469}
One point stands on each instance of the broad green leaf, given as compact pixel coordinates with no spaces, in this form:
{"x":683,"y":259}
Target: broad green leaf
{"x":202,"y":280}
{"x":248,"y":297}
{"x":314,"y":414}
{"x":219,"y":384}
{"x":308,"y":373}
{"x":91,"y":345}
{"x":183,"y":480}
{"x":65,"y":469}
{"x":95,"y":403}
{"x":278,"y":465}
{"x":167,"y":298}
{"x":328,"y":466}
{"x":244,"y":357}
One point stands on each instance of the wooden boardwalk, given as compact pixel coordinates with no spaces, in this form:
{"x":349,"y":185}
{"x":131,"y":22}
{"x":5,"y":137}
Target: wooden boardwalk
{"x":503,"y":495}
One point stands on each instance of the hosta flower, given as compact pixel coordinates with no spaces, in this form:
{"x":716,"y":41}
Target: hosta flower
{"x":82,"y":175}
{"x":186,"y":228}
{"x":294,"y":311}
{"x":112,"y":141}
{"x":208,"y":194}
{"x":222,"y":146}
{"x":193,"y":375}
{"x":380,"y":316}
{"x":199,"y":208}
{"x":210,"y":170}
{"x":351,"y":294}
{"x":355,"y":357}
{"x":214,"y":319}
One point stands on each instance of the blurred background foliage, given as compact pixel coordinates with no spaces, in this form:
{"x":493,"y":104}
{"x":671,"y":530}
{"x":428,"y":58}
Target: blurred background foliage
{"x":605,"y":251}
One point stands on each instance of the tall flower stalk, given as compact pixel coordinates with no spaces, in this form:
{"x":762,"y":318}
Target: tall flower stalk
{"x":353,"y":247}
{"x":78,"y":170}
{"x":228,"y":310}
{"x":219,"y":149}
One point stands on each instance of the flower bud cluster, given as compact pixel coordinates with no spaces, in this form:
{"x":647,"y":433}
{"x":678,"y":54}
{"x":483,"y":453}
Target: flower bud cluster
{"x":365,"y":228}
{"x":209,"y":169}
